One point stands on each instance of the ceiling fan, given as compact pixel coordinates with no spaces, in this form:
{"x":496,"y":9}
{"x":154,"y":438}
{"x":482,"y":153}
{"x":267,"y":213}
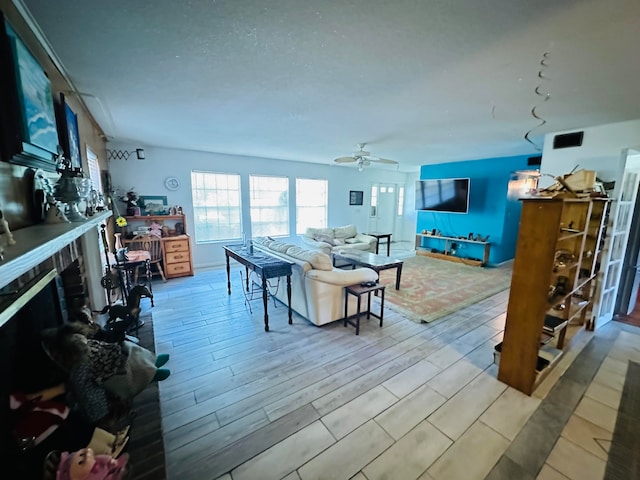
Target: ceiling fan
{"x":364,"y":158}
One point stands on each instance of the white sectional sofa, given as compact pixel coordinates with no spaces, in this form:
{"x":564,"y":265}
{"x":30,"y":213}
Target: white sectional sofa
{"x":339,"y":238}
{"x":317,"y":288}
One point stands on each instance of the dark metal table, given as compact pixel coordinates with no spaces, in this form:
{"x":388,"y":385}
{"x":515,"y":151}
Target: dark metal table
{"x":370,"y":260}
{"x":381,"y":236}
{"x":358,"y":291}
{"x":264,"y":265}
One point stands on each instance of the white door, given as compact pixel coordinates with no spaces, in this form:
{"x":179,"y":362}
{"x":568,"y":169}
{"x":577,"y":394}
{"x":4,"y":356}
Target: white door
{"x":617,"y":237}
{"x":384,"y":205}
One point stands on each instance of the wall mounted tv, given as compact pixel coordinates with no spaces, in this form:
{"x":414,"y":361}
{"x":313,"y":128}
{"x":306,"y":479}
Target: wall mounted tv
{"x":450,"y":195}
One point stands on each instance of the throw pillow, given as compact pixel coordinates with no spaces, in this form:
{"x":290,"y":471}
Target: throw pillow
{"x":351,"y":240}
{"x":325,"y":239}
{"x":347,"y":231}
{"x":339,"y":241}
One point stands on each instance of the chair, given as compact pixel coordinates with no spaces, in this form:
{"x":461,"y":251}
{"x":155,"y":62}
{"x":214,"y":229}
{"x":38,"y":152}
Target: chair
{"x":153,"y":245}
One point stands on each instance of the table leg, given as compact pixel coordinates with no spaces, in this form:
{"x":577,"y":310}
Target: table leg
{"x":398,"y":273}
{"x":346,"y":305}
{"x":368,"y":305}
{"x":388,"y":245}
{"x":228,"y":276}
{"x":264,"y":302}
{"x":358,"y":316}
{"x":381,"y":306}
{"x":377,"y":245}
{"x":289,"y":297}
{"x":148,"y":272}
{"x":246,"y":275}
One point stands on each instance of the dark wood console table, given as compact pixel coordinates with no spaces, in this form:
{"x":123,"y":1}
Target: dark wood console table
{"x":265,"y":266}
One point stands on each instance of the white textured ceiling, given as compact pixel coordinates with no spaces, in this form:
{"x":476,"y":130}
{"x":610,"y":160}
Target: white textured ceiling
{"x":420,"y":81}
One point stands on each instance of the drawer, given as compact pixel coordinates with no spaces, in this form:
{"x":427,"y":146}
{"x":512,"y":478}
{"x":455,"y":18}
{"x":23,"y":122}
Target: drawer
{"x":176,"y":246}
{"x":178,"y":268}
{"x":177,"y":257}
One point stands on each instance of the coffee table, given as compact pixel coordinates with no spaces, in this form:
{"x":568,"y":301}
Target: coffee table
{"x":370,"y":260}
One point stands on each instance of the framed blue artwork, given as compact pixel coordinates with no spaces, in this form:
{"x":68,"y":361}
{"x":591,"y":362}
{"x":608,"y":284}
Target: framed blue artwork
{"x":27,"y":113}
{"x":70,"y":136}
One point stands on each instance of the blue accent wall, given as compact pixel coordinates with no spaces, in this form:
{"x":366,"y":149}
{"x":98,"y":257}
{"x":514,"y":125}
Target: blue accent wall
{"x":493,"y":209}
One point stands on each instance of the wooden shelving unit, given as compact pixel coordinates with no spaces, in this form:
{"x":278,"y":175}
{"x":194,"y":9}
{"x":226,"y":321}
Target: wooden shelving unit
{"x":555,"y":276}
{"x":447,"y":253}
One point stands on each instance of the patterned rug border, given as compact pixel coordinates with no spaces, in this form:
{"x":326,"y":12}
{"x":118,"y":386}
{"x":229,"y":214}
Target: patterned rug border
{"x":502,"y":283}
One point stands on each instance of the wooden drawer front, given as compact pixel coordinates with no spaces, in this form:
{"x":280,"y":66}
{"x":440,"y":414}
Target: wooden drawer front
{"x":178,"y":268}
{"x":177,"y":246}
{"x":178,"y":257}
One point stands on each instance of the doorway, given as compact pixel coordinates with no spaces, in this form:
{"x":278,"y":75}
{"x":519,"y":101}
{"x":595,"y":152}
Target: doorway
{"x":385,"y":201}
{"x":627,"y":306}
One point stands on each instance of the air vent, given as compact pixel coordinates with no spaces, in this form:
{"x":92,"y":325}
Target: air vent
{"x":568,"y":140}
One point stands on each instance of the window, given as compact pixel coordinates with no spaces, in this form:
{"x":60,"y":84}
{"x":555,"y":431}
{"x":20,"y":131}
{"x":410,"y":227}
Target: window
{"x":400,"y":200}
{"x":269,"y":206}
{"x":216,"y":206}
{"x":311,"y":203}
{"x":374,"y":201}
{"x":94,"y":170}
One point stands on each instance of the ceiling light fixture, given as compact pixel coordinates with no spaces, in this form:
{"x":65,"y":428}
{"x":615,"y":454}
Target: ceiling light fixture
{"x":125,"y":154}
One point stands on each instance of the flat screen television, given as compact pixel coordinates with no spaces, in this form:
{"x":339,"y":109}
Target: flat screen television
{"x":450,"y":195}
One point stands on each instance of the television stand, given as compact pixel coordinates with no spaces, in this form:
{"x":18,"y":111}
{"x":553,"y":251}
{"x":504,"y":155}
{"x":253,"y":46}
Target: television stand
{"x":447,"y":255}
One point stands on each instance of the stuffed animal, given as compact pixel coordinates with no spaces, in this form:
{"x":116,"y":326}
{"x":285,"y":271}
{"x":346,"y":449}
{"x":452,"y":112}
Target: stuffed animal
{"x":102,"y":377}
{"x":156,"y":229}
{"x":84,"y":464}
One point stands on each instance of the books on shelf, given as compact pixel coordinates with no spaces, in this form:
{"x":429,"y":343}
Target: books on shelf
{"x":553,"y":324}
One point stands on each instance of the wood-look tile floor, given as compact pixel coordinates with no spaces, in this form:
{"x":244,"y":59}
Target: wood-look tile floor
{"x":405,"y":401}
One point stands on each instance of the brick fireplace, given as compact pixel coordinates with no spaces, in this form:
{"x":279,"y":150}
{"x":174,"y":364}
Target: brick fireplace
{"x":50,"y":268}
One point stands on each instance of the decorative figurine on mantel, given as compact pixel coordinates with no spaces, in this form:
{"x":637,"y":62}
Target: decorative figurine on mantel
{"x":5,"y":233}
{"x":54,"y":213}
{"x":71,"y":188}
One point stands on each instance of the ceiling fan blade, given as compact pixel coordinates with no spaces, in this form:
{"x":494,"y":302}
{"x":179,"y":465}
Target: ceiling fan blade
{"x":345,"y":160}
{"x":384,"y":160}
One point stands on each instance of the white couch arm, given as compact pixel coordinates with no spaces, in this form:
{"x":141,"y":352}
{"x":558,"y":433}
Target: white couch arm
{"x":363,"y":237}
{"x":343,"y":278}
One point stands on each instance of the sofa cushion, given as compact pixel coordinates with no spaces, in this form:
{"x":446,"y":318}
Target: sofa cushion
{"x":325,"y":238}
{"x":348,"y":231}
{"x":318,"y":260}
{"x":313,"y":232}
{"x":279,"y":246}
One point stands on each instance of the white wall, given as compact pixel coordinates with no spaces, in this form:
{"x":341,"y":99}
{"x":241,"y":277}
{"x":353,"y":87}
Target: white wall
{"x":603,"y":150}
{"x":147,"y":178}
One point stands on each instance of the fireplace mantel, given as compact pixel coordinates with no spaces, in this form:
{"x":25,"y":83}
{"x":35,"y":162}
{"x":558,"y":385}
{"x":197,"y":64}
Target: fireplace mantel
{"x":37,"y":243}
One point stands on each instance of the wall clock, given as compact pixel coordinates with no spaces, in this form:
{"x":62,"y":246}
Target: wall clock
{"x":172,"y":183}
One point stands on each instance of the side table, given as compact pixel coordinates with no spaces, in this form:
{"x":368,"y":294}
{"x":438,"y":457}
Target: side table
{"x":358,"y":291}
{"x":381,"y":236}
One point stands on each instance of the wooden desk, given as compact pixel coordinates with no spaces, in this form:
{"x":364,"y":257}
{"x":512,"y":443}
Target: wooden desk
{"x":381,"y":236}
{"x":265,"y":266}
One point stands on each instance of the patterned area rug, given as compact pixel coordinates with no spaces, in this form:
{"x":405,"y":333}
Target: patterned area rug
{"x":432,"y":288}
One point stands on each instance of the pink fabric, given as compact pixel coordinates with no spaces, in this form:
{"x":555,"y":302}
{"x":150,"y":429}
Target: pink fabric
{"x":132,"y":256}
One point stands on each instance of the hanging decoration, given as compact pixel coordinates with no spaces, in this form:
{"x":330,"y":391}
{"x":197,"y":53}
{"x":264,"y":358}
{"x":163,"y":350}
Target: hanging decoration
{"x":545,"y":97}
